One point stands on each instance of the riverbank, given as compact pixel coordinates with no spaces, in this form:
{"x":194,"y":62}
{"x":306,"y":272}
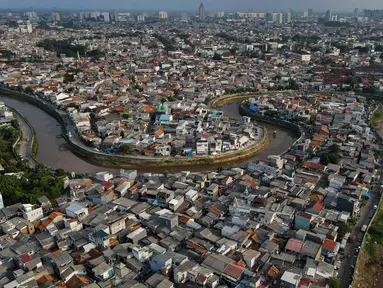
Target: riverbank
{"x":122,"y":161}
{"x":377,"y":117}
{"x":232,"y":98}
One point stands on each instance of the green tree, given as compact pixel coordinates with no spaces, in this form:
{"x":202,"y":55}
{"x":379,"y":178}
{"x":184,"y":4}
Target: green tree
{"x":217,"y":57}
{"x":126,"y":149}
{"x":333,"y":282}
{"x":343,"y":229}
{"x":28,"y":90}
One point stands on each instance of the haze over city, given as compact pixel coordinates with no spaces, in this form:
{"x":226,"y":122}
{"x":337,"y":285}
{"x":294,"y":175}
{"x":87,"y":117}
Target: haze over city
{"x":185,"y":5}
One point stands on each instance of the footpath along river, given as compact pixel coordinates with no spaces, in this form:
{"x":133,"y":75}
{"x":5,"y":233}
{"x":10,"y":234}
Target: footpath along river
{"x":51,"y":154}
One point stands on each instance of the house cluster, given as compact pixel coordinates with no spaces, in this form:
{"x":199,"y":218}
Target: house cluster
{"x":169,"y":129}
{"x":275,"y":221}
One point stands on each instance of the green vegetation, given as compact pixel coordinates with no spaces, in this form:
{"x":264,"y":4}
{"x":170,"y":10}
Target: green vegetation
{"x":332,"y":155}
{"x":333,"y":282}
{"x":343,"y":229}
{"x":336,"y":24}
{"x":169,"y":44}
{"x":31,"y":185}
{"x":62,"y":47}
{"x":376,"y":117}
{"x":8,"y":159}
{"x":374,"y":237}
{"x":217,"y":57}
{"x":126,"y":149}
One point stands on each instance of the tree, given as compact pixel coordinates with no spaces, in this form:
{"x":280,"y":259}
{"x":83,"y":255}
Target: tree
{"x":352,"y":81}
{"x":125,"y":116}
{"x":217,"y":57}
{"x":68,"y":78}
{"x":333,"y":282}
{"x":343,"y":229}
{"x":126,"y":149}
{"x":293,"y":85}
{"x":28,"y":90}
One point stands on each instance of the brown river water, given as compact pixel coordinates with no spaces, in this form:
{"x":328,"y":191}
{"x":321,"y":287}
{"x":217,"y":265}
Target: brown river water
{"x":51,"y":154}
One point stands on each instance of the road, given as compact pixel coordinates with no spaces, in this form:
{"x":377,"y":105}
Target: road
{"x":26,"y":140}
{"x":346,"y":272}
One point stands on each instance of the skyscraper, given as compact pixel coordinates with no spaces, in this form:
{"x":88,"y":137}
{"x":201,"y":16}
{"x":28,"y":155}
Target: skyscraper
{"x":288,"y":17}
{"x":310,"y":12}
{"x":163,"y":15}
{"x":278,"y":18}
{"x":106,"y":16}
{"x":356,"y":12}
{"x":56,"y":17}
{"x":328,"y":15}
{"x":201,"y":12}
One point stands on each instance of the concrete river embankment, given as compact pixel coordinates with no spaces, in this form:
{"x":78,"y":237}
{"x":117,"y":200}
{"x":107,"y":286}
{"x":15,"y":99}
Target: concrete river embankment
{"x":51,"y":153}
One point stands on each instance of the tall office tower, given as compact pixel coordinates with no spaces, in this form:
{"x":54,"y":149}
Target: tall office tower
{"x":201,"y":12}
{"x":220,"y":14}
{"x":31,"y":15}
{"x":163,"y":15}
{"x":356,"y":12}
{"x":140,"y":17}
{"x":288,"y":17}
{"x":114,"y":16}
{"x":328,"y":15}
{"x":56,"y":17}
{"x":310,"y":12}
{"x":95,"y":14}
{"x":106,"y":16}
{"x":305,"y":14}
{"x":278,"y":18}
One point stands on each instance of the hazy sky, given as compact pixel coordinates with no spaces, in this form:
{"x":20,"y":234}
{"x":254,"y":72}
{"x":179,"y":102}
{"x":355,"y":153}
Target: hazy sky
{"x":214,"y":5}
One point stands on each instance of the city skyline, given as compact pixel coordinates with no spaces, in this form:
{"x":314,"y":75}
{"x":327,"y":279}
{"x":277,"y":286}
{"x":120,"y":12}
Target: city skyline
{"x":192,"y":5}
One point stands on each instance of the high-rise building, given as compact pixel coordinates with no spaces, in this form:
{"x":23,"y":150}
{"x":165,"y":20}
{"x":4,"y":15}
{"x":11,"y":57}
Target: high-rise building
{"x":310,"y":12}
{"x":31,"y":15}
{"x":114,"y":16}
{"x":201,"y":12}
{"x":356,"y":12}
{"x":56,"y":17}
{"x":140,"y":17}
{"x":106,"y":16}
{"x":278,"y":18}
{"x":328,"y":15}
{"x":288,"y":17}
{"x":163,"y":15}
{"x":305,"y":14}
{"x":220,"y":14}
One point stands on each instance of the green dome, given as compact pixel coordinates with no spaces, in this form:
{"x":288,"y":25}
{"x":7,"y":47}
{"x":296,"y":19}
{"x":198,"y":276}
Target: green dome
{"x":164,"y":107}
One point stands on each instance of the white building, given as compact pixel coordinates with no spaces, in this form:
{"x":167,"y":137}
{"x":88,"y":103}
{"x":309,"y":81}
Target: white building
{"x":104,"y":176}
{"x":76,"y":211}
{"x":301,"y":56}
{"x":32,"y":214}
{"x":163,"y":15}
{"x":106,"y":16}
{"x":56,"y":17}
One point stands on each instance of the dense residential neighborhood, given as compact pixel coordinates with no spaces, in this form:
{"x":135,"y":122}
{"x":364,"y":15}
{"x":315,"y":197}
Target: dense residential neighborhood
{"x":143,"y":85}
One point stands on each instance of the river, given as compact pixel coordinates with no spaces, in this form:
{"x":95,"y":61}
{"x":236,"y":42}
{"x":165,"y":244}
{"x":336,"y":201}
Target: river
{"x":51,"y":154}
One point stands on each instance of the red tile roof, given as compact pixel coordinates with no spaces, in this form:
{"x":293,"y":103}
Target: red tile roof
{"x":25,"y":258}
{"x":234,"y":271}
{"x":329,"y":245}
{"x":295,"y":245}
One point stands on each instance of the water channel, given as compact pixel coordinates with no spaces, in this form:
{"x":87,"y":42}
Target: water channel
{"x":51,"y":154}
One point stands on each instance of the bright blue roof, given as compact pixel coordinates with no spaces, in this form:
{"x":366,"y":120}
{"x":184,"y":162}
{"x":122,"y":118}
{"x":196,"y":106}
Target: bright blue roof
{"x":164,"y":117}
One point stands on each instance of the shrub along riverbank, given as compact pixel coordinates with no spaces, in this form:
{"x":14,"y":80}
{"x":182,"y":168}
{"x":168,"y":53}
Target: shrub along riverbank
{"x":377,"y":117}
